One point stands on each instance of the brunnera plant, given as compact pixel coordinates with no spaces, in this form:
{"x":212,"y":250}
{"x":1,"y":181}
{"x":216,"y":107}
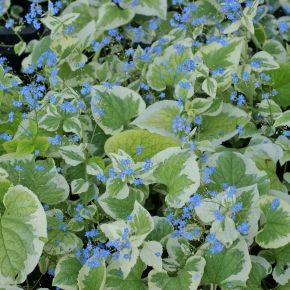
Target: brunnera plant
{"x":144,"y":144}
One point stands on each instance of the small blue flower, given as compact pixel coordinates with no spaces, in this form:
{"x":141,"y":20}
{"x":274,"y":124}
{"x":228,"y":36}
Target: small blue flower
{"x":56,"y":140}
{"x":216,"y":247}
{"x":218,"y":71}
{"x":197,"y":120}
{"x":11,"y":117}
{"x":243,"y":228}
{"x":231,"y":191}
{"x":18,"y":168}
{"x":255,"y":63}
{"x":139,"y":149}
{"x":218,"y":215}
{"x":237,"y":207}
{"x":39,"y":167}
{"x":275,"y":203}
{"x":283,"y":26}
{"x":9,"y":23}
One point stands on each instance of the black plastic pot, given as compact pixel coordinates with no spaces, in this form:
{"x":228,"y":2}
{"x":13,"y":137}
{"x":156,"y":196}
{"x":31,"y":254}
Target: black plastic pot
{"x":8,"y":38}
{"x":25,"y":4}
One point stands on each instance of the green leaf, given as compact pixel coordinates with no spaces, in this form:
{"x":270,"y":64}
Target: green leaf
{"x":265,"y":60}
{"x":275,"y":232}
{"x":92,"y":278}
{"x":72,"y":154}
{"x":276,"y":49}
{"x":270,"y":168}
{"x":51,"y":119}
{"x":285,"y":34}
{"x":248,"y":16}
{"x":60,"y":242}
{"x":158,"y":118}
{"x":116,"y":281}
{"x":25,"y":147}
{"x":66,"y":273}
{"x":120,"y":102}
{"x":120,"y":208}
{"x":184,"y":93}
{"x":74,"y":125}
{"x":235,"y":169}
{"x":57,"y":23}
{"x":47,"y":184}
{"x":151,"y":253}
{"x":111,"y":16}
{"x":209,"y":86}
{"x":208,"y":10}
{"x":19,"y":48}
{"x":162,"y":228}
{"x":187,"y":278}
{"x":7,"y":79}
{"x":177,"y":169}
{"x":141,"y":223}
{"x":249,"y":197}
{"x":22,"y":226}
{"x":5,"y":6}
{"x":228,"y":269}
{"x":166,"y":70}
{"x":280,"y":82}
{"x":281,"y":271}
{"x":117,"y":188}
{"x":4,"y":185}
{"x":126,"y":265}
{"x":283,"y":120}
{"x":223,"y":126}
{"x":79,"y":186}
{"x":128,"y":141}
{"x":38,"y":48}
{"x":215,"y":55}
{"x":260,"y":270}
{"x":147,"y":7}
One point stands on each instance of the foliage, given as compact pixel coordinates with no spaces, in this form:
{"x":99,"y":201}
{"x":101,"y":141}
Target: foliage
{"x":144,"y":144}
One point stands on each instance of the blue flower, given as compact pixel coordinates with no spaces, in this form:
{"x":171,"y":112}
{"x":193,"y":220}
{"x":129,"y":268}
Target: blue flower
{"x":241,"y":100}
{"x":9,"y":23}
{"x":56,"y":140}
{"x":68,"y":107}
{"x":218,"y":215}
{"x":6,"y":136}
{"x":197,"y":120}
{"x":243,"y":228}
{"x":11,"y":117}
{"x":216,"y":247}
{"x":195,"y":201}
{"x":86,"y":89}
{"x":283,"y":26}
{"x":245,"y":76}
{"x":275,"y":203}
{"x":39,"y":167}
{"x":231,"y":191}
{"x":18,"y":168}
{"x":237,"y":207}
{"x":218,"y":71}
{"x":129,"y":51}
{"x":210,"y":238}
{"x":69,"y":29}
{"x":93,"y":263}
{"x":255,"y":63}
